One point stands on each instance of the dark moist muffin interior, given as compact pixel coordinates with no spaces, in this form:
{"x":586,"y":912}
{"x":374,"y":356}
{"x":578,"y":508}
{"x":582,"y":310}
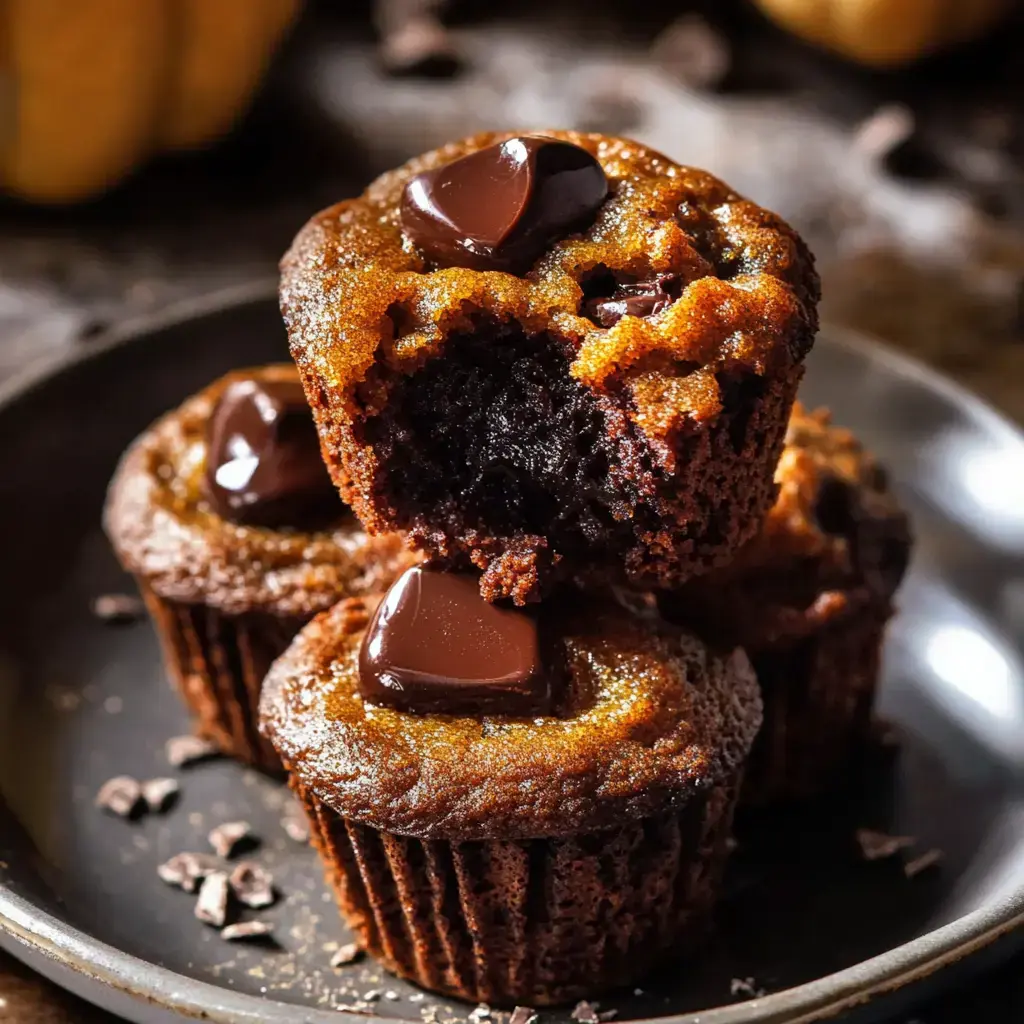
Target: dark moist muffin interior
{"x":497,"y":436}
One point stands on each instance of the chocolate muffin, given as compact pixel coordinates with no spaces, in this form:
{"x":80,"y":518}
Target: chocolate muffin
{"x":225,"y":515}
{"x":809,"y":600}
{"x":513,"y":806}
{"x":550,"y":355}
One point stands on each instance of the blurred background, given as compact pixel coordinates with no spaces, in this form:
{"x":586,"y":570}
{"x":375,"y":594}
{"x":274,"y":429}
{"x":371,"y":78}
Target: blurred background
{"x":157,"y":150}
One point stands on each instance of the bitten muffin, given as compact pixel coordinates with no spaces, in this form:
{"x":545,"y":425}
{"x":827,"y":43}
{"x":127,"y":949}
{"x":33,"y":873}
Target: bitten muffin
{"x":223,"y":512}
{"x":809,"y":600}
{"x":527,"y":857}
{"x":551,"y":355}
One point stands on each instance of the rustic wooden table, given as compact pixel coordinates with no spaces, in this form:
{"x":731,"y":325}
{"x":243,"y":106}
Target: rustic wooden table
{"x":907,"y":249}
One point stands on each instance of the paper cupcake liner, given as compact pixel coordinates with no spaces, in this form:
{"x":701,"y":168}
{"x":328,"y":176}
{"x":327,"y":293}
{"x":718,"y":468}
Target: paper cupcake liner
{"x":818,"y":696}
{"x":217,"y":663}
{"x":533,"y":922}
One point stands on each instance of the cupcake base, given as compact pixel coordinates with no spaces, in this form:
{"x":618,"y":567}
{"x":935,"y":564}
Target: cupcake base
{"x":217,"y":663}
{"x":818,"y":696}
{"x":534,"y":922}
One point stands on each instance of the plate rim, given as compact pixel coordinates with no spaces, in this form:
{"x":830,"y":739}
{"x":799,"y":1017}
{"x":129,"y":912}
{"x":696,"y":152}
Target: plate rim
{"x":32,"y":929}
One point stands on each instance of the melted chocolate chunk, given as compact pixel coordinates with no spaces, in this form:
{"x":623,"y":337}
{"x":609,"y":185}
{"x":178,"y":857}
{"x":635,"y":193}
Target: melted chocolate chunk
{"x":633,"y":298}
{"x":435,"y":644}
{"x":263,"y":464}
{"x":501,"y":207}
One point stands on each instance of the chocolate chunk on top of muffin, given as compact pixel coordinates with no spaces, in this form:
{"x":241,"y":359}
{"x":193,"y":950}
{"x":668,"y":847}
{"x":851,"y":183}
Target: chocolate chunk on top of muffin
{"x":552,"y":355}
{"x":226,"y":516}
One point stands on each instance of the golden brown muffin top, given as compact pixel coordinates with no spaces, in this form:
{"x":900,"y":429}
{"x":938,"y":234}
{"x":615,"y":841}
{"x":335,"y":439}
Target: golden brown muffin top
{"x":355,"y":291}
{"x":165,"y":532}
{"x":651,"y":718}
{"x":835,"y":541}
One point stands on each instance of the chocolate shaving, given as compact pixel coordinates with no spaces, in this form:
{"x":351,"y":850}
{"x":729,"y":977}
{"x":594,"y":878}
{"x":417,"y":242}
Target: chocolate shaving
{"x":159,"y":794}
{"x":350,"y":953}
{"x":212,"y":905}
{"x":121,"y":795}
{"x":692,"y":52}
{"x":247,"y":930}
{"x":926,"y":860}
{"x":232,"y":836}
{"x":186,"y":750}
{"x":252,"y":885}
{"x":879,"y":845}
{"x":118,"y":609}
{"x":745,"y":988}
{"x":295,"y":825}
{"x":187,"y":870}
{"x":585,"y":1013}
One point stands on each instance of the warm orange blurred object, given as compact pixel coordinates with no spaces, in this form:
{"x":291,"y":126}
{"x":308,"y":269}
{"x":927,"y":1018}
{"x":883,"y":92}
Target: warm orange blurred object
{"x":885,"y":33}
{"x":94,"y":87}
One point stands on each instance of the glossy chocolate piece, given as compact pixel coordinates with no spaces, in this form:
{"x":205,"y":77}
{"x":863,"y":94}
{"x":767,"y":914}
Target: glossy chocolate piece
{"x":634,"y":298}
{"x":435,"y":644}
{"x":263,"y":464}
{"x":501,"y":207}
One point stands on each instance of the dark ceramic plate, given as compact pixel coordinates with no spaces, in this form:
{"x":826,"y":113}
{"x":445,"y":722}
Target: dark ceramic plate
{"x":805,"y":917}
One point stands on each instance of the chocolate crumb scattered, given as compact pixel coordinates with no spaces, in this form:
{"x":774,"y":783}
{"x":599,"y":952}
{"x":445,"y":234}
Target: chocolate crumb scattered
{"x":295,"y":825}
{"x":692,"y":52}
{"x":121,"y":795}
{"x":186,"y":750}
{"x":118,"y":609}
{"x":926,"y":860}
{"x":879,"y":845}
{"x":392,"y":995}
{"x":523,"y":1015}
{"x":159,"y":794}
{"x":585,"y":1013}
{"x":212,"y":905}
{"x":745,"y":988}
{"x":246,"y":930}
{"x":417,"y":997}
{"x":232,"y":836}
{"x":372,"y":995}
{"x":252,"y":885}
{"x":187,"y":870}
{"x":350,"y":953}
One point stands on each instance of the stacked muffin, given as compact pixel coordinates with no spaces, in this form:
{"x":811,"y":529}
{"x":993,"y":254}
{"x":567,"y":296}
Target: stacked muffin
{"x":562,"y":370}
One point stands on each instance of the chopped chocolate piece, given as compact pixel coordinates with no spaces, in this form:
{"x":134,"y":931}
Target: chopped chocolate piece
{"x":185,"y":750}
{"x":350,"y":953}
{"x":295,"y":825}
{"x":372,"y":995}
{"x":480,"y":1013}
{"x":187,"y":870}
{"x":745,"y":988}
{"x":879,"y":845}
{"x":245,"y":930}
{"x":926,"y":860}
{"x":121,"y":795}
{"x":523,"y":1015}
{"x":422,"y":48}
{"x":585,"y":1013}
{"x":392,"y":995}
{"x":252,"y":885}
{"x":228,"y":838}
{"x":118,"y":609}
{"x":212,"y":905}
{"x":501,"y":207}
{"x":434,"y":644}
{"x":692,"y":52}
{"x":634,"y":298}
{"x":159,"y":794}
{"x":263,"y":464}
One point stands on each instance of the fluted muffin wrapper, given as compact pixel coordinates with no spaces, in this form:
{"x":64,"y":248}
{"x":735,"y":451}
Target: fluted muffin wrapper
{"x":818,"y":695}
{"x":217,"y":663}
{"x":535,"y":922}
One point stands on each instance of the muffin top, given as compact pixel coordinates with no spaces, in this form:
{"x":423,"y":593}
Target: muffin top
{"x":674,"y":278}
{"x":836,"y":541}
{"x":647,"y":719}
{"x":197,"y":542}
